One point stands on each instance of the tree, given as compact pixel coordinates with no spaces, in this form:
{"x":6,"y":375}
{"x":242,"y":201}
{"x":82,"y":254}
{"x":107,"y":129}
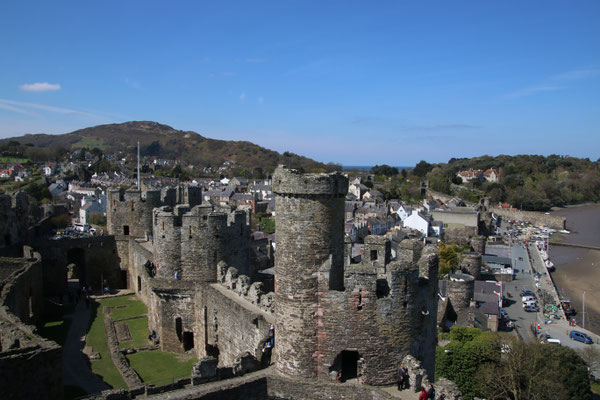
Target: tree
{"x":422,"y":168}
{"x":534,"y":371}
{"x":96,"y":218}
{"x":448,"y":256}
{"x":469,"y":349}
{"x":384,"y":170}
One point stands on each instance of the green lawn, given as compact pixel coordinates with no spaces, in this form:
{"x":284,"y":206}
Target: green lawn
{"x":97,"y":339}
{"x":133,"y":309}
{"x":161,"y":368}
{"x":139,"y":333}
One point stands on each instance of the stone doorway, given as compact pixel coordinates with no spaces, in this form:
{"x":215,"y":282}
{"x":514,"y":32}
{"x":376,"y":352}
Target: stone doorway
{"x":349,"y":365}
{"x":188,"y":341}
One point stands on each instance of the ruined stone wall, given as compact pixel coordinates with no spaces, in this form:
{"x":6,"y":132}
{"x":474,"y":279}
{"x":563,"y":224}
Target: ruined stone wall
{"x":16,"y":214}
{"x":97,"y":259}
{"x":132,"y":209}
{"x":175,"y":311}
{"x":230,"y":324}
{"x":383,"y":316}
{"x":536,"y":218}
{"x":309,"y":220}
{"x":26,"y":358}
{"x":21,"y":289}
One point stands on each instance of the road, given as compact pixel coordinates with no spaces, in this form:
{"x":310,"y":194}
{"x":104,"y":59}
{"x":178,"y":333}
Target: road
{"x":524,"y":279}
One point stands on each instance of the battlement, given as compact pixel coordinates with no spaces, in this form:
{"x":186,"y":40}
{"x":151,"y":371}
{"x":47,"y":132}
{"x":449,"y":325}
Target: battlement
{"x":243,"y":286}
{"x":287,"y":181}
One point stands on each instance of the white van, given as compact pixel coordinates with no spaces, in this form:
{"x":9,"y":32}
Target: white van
{"x":530,"y":303}
{"x":81,"y":227}
{"x":528,"y":298}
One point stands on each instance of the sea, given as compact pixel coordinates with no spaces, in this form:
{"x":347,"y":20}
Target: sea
{"x":367,"y":167}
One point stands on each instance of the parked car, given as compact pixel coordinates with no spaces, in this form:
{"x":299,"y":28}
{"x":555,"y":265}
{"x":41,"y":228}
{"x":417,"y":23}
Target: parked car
{"x":580,"y":337}
{"x":531,"y":308}
{"x":528,"y":298}
{"x":527,"y":292}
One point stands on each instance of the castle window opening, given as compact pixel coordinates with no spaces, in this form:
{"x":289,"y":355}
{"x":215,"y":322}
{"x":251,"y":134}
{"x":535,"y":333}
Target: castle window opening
{"x":204,"y":217}
{"x":383,"y":289}
{"x":373,"y":255}
{"x":30,"y":303}
{"x":126,"y":230}
{"x":133,"y":206}
{"x":139,"y":283}
{"x":179,"y":328}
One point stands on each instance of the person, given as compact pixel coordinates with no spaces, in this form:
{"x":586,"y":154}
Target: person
{"x":338,"y":378}
{"x":402,"y":377}
{"x":431,"y":392}
{"x":423,"y":395}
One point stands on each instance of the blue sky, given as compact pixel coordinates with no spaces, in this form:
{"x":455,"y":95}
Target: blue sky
{"x":358,"y":83}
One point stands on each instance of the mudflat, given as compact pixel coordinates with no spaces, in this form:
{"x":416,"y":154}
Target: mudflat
{"x":577,"y":269}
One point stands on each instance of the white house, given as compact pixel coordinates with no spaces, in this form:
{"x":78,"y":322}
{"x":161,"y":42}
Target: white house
{"x":88,"y":208}
{"x":418,"y":221}
{"x":404,"y":211}
{"x":48,"y":170}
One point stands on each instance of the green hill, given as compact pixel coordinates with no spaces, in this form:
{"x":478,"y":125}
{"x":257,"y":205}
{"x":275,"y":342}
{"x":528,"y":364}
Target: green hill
{"x":162,"y":141}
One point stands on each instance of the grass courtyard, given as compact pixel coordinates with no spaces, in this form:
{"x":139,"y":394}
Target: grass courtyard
{"x":151,"y":365}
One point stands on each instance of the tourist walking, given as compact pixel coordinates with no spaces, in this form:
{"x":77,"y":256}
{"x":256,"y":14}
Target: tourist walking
{"x":423,"y":395}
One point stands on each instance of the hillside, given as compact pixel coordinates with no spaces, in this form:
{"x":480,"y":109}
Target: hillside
{"x":163,"y":141}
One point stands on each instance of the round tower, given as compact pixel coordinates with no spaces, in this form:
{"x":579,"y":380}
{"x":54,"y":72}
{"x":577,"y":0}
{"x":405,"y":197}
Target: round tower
{"x":461,"y":288}
{"x":471,"y":264}
{"x":167,"y":242}
{"x":203,"y":243}
{"x":478,"y":244}
{"x":309,"y":226}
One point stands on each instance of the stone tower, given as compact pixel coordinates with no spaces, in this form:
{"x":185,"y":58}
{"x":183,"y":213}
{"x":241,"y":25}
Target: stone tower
{"x":310,"y":244}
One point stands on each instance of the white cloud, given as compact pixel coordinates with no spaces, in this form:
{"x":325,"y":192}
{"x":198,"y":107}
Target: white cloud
{"x":577,"y":74}
{"x":132,"y":83}
{"x":40,"y":87}
{"x":23,"y":106}
{"x":243,"y":97}
{"x":557,"y":82}
{"x":260,"y":100}
{"x":535,"y":89}
{"x":15,"y":109}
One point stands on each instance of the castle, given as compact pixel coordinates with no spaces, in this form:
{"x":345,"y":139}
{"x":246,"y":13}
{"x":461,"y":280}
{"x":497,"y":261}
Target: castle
{"x":331,"y":316}
{"x":192,"y":265}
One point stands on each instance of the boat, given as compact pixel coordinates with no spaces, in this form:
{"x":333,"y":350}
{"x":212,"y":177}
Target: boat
{"x":564,"y":231}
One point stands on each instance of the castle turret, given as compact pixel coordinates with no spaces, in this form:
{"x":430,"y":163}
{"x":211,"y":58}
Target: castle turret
{"x":129,"y":212}
{"x":471,"y":264}
{"x":167,"y":240}
{"x":310,"y":243}
{"x":461,"y":288}
{"x":478,"y":244}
